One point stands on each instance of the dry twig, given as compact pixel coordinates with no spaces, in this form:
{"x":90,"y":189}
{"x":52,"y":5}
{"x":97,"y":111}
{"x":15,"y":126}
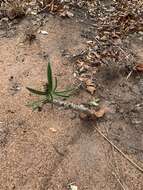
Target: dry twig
{"x":116,"y":172}
{"x":120,"y":151}
{"x":80,"y":108}
{"x":117,"y":178}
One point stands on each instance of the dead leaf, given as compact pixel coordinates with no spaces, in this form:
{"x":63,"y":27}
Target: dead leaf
{"x":91,"y":89}
{"x":90,"y":86}
{"x":70,"y":14}
{"x":97,"y":55}
{"x":67,"y":13}
{"x":104,"y":38}
{"x":101,"y":112}
{"x":139,"y":67}
{"x":88,"y":82}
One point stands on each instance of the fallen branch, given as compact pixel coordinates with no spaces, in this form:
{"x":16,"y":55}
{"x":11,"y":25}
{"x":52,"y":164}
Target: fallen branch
{"x":76,"y":107}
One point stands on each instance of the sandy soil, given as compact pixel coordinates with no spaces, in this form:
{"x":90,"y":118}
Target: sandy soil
{"x":53,"y":148}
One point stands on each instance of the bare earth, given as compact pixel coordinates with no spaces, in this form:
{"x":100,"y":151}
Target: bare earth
{"x":53,"y":148}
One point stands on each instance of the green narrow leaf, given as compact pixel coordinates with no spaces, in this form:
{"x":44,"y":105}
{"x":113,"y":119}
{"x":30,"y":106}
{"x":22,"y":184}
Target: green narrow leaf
{"x":56,"y":84}
{"x":50,"y":97}
{"x":66,"y":91}
{"x":50,"y":78}
{"x":61,"y":95}
{"x":36,"y":91}
{"x":35,"y":107}
{"x":36,"y":104}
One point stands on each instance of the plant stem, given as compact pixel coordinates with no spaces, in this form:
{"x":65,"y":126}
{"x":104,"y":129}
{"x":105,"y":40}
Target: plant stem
{"x":66,"y":105}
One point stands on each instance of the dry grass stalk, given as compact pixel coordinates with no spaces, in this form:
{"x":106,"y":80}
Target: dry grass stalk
{"x":120,"y":151}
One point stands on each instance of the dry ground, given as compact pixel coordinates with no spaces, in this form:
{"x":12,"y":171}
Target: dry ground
{"x":52,"y":148}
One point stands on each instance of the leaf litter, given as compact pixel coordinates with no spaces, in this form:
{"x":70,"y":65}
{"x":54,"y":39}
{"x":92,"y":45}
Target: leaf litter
{"x":116,"y":22}
{"x":139,"y":67}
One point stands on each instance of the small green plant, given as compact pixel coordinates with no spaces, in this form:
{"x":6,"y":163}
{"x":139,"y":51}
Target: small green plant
{"x":50,"y":91}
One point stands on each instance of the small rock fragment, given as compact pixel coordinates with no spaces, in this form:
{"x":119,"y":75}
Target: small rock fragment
{"x":43,"y":32}
{"x":53,"y":130}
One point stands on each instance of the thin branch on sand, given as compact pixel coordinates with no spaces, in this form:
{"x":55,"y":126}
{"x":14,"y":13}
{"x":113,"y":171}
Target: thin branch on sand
{"x":120,"y":151}
{"x":76,"y":107}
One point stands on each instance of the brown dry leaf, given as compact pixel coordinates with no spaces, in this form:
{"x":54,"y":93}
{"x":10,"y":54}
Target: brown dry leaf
{"x":91,"y":89}
{"x":67,"y":13}
{"x":101,"y":112}
{"x":104,"y":38}
{"x":139,"y":67}
{"x":88,"y":82}
{"x":82,"y":79}
{"x":97,"y":55}
{"x":86,"y":67}
{"x":90,"y":86}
